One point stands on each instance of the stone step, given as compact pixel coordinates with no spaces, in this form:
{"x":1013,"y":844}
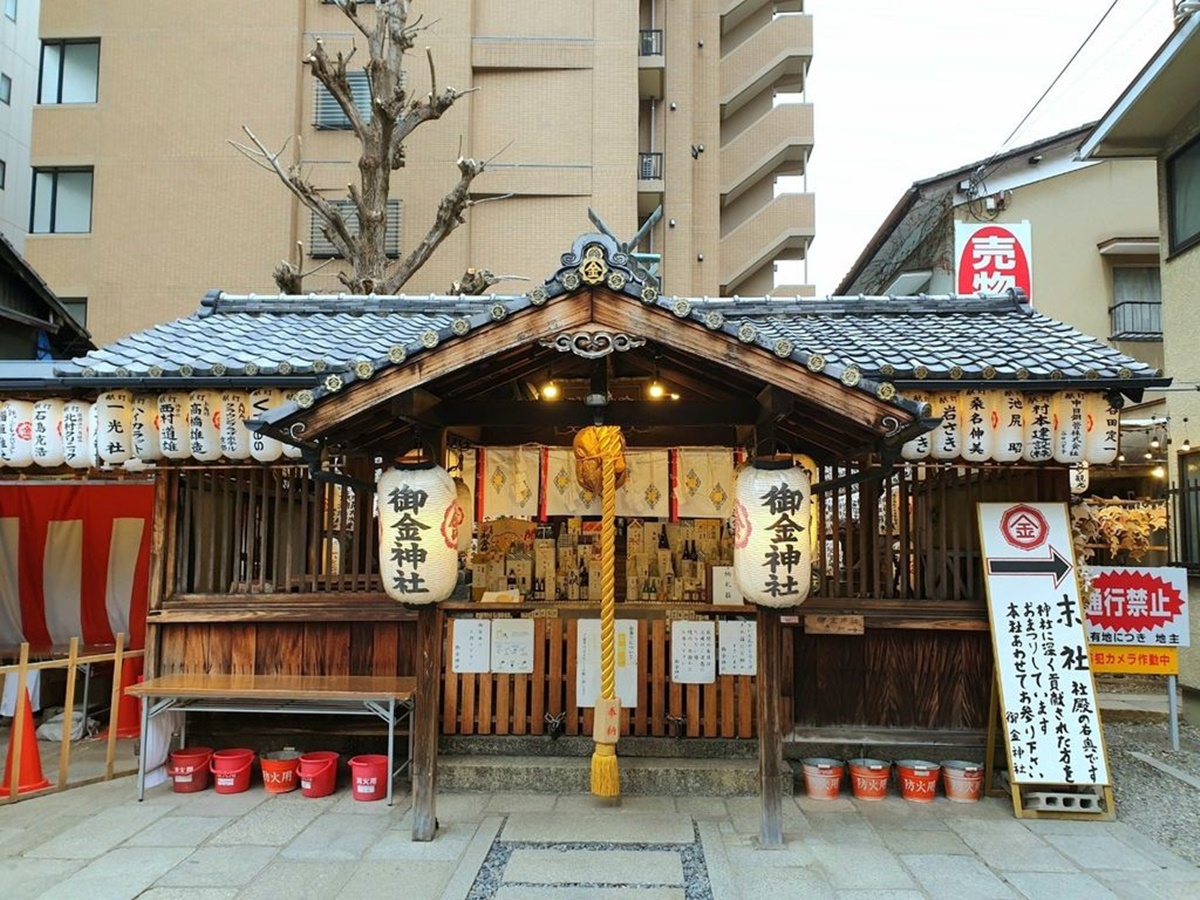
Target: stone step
{"x":571,"y":775}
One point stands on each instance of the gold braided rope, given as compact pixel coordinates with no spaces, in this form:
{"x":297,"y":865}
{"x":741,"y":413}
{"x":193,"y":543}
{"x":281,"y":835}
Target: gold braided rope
{"x":610,"y":447}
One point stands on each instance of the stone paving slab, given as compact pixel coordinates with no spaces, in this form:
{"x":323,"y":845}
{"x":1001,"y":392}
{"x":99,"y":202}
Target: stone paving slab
{"x":179,"y":831}
{"x":336,"y":837}
{"x":220,"y":866}
{"x":448,"y":845}
{"x":919,"y":842}
{"x":860,"y":867}
{"x":623,"y":867}
{"x":1011,"y":847}
{"x":25,"y":878}
{"x":1059,"y":886}
{"x":296,"y":879}
{"x":187,"y":893}
{"x":955,"y":877}
{"x":1101,"y":851}
{"x":627,"y":828}
{"x":421,"y":879}
{"x":270,"y":824}
{"x":118,"y":875}
{"x":526,"y":892}
{"x":99,"y":833}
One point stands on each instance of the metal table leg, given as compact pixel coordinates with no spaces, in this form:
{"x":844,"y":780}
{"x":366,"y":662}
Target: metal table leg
{"x":141,"y":775}
{"x":391,"y":745}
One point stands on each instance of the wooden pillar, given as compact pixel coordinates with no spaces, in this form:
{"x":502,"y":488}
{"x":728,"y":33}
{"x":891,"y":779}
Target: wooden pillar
{"x":425,"y":722}
{"x":161,"y":582}
{"x":770,"y":738}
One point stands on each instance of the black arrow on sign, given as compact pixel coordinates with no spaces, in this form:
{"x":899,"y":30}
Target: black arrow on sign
{"x":1057,"y":565}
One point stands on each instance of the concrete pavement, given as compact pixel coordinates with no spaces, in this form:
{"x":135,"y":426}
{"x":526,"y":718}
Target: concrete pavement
{"x":98,"y":842}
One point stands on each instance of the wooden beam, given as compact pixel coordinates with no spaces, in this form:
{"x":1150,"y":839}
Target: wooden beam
{"x":770,"y":737}
{"x":472,"y":350}
{"x":417,"y":405}
{"x":537,"y":413}
{"x":425,"y":722}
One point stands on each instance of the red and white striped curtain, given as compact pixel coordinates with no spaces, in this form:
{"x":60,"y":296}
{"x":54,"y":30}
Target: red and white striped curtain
{"x":74,"y":562}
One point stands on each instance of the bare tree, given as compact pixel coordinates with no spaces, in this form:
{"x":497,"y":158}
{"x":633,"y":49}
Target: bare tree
{"x":394,"y":116}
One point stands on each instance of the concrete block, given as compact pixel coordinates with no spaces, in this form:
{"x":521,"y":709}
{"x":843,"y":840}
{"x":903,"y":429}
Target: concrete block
{"x":945,"y":877}
{"x":609,"y":867}
{"x":629,"y":828}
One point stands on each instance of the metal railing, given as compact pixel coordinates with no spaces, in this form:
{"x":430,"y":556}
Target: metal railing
{"x":650,"y":42}
{"x":1136,"y":320}
{"x":650,"y":166}
{"x":1185,"y":534}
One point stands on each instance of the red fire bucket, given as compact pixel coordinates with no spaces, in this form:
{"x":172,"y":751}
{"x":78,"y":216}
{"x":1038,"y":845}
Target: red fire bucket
{"x":279,"y":771}
{"x":188,"y":769}
{"x":318,"y":773}
{"x":368,"y":777}
{"x":231,"y":769}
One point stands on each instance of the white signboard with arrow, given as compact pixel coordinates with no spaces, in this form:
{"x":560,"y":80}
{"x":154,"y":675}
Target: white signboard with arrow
{"x":1047,"y":696}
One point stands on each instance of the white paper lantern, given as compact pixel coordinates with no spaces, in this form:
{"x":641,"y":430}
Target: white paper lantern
{"x":1039,"y":429}
{"x":772,"y":549}
{"x":1103,"y":431}
{"x":47,"y":433}
{"x":262,"y":447}
{"x":1080,"y":478}
{"x":947,"y":437}
{"x":467,"y":529}
{"x":419,"y":519}
{"x":1070,"y":426}
{"x":93,"y":437}
{"x":978,"y":431}
{"x":1008,"y":409}
{"x":234,"y":436}
{"x":16,"y":433}
{"x":918,"y":447}
{"x":290,"y":451}
{"x":143,"y":419}
{"x":203,"y":425}
{"x":114,"y":415}
{"x":173,"y":425}
{"x":76,"y":433}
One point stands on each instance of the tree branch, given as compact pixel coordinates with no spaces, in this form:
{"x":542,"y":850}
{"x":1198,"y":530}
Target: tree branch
{"x":332,"y":74}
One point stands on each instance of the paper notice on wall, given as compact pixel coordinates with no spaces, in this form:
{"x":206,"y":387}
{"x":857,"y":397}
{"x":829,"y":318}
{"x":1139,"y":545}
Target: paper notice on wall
{"x":512,"y":646}
{"x":1050,"y":718}
{"x":693,"y":652}
{"x":587,"y":662}
{"x":471,"y":645}
{"x":737,"y":647}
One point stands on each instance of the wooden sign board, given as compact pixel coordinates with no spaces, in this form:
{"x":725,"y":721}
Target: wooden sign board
{"x":817,"y":624}
{"x":1049,"y":715}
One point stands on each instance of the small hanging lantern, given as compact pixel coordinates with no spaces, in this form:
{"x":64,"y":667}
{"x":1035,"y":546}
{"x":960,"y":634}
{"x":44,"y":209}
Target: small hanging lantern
{"x":918,"y":447}
{"x":1039,"y":429}
{"x":772,"y":550}
{"x":234,"y":436}
{"x":1080,"y":478}
{"x":76,"y":422}
{"x":16,"y":433}
{"x":947,"y":437}
{"x":94,"y":434}
{"x":262,"y":447}
{"x":173,"y":425}
{"x":1007,"y":412}
{"x":978,"y":431}
{"x":204,"y":425}
{"x":1103,"y":430}
{"x":1070,"y":428}
{"x":147,"y":444}
{"x":114,"y":418}
{"x":48,"y":433}
{"x":419,"y":522}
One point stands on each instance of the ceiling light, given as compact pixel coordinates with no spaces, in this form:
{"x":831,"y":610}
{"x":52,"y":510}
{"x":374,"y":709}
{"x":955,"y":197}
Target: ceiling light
{"x":550,"y":390}
{"x":1154,"y":442}
{"x":656,"y":391}
{"x":1158,"y":472}
{"x":674,"y":396}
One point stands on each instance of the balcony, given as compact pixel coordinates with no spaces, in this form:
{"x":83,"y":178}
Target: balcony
{"x":776,"y":143}
{"x":649,"y":182}
{"x":735,"y":12}
{"x":651,"y":64}
{"x":782,"y":228}
{"x":775,"y":55}
{"x":1136,"y":320}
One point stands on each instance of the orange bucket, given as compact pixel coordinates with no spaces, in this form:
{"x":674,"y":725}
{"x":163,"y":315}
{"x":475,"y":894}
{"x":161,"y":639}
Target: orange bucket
{"x":279,"y":771}
{"x":368,"y":777}
{"x":188,"y":769}
{"x":918,"y":779}
{"x":963,"y":781}
{"x":869,"y":778}
{"x":318,"y":773}
{"x":822,"y":777}
{"x":231,"y":769}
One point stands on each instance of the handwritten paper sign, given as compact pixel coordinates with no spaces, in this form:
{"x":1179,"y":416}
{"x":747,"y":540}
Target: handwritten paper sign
{"x":1048,"y":698}
{"x":737,"y":647}
{"x":693,"y":652}
{"x":725,"y":591}
{"x":587,"y":662}
{"x":471,"y":646}
{"x":512,"y":646}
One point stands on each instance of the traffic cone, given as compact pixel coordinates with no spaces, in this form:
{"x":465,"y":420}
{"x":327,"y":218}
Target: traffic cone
{"x":31,"y":775}
{"x":129,"y":723}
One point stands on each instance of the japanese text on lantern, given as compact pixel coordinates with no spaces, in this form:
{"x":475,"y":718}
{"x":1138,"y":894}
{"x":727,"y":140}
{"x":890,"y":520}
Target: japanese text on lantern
{"x":407,"y":538}
{"x":976,"y":423}
{"x":784,"y":551}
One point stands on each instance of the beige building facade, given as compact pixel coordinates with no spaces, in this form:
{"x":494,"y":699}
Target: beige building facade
{"x":140,"y":202}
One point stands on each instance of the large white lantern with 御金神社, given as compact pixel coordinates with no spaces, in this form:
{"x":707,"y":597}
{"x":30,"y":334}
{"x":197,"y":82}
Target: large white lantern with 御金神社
{"x":173,"y":425}
{"x":48,"y":433}
{"x":772,"y":547}
{"x":204,"y":425}
{"x":419,"y":521}
{"x":1103,"y":425}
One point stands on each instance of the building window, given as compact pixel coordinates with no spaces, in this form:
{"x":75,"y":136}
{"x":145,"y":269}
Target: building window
{"x":1187,"y":511}
{"x":62,"y":201}
{"x":5,"y":89}
{"x":3,"y":173}
{"x":1137,"y":304}
{"x":77,"y":308}
{"x":1183,"y":196}
{"x":10,"y":9}
{"x":328,"y":113}
{"x":70,"y":72}
{"x":321,"y":247}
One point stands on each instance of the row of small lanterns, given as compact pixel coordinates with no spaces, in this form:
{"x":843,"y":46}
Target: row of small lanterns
{"x":1066,"y":427}
{"x":121,"y":426}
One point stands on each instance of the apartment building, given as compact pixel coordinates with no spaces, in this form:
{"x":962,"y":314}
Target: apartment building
{"x":19,"y":51}
{"x":140,"y":202}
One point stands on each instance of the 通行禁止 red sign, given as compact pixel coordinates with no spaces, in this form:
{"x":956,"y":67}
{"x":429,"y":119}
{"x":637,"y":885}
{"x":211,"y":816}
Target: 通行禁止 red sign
{"x":1138,"y":606}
